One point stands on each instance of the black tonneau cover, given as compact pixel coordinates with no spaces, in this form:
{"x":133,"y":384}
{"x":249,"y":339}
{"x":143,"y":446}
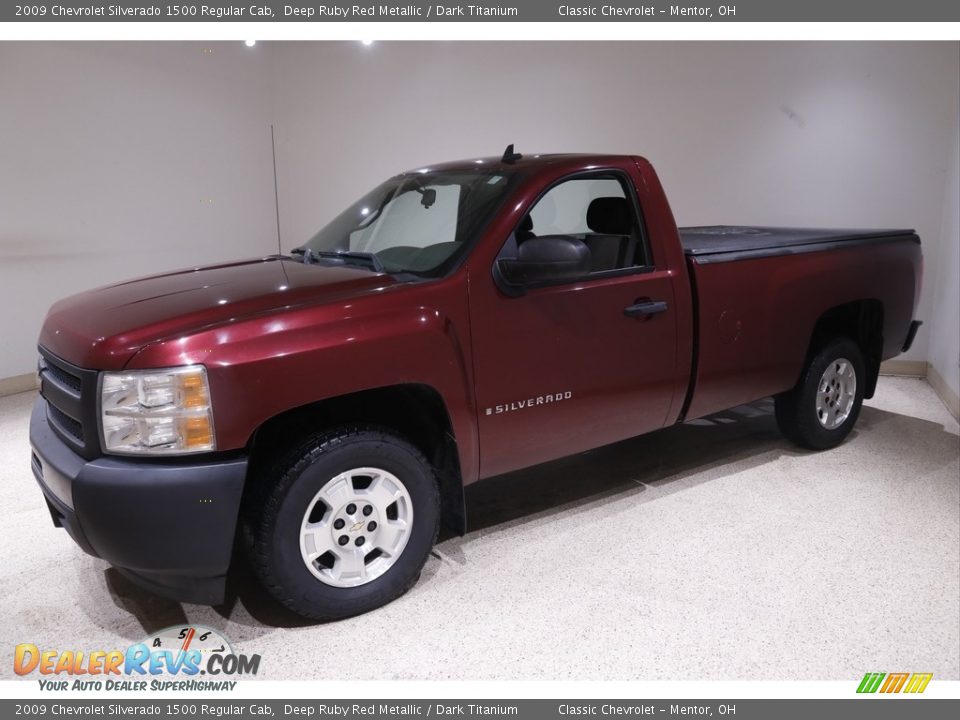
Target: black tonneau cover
{"x":724,"y":243}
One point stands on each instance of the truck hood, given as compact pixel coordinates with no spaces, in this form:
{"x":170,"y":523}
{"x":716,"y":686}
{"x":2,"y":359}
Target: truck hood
{"x":102,"y":329}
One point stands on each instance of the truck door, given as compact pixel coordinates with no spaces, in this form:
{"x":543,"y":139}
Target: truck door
{"x":573,"y":365}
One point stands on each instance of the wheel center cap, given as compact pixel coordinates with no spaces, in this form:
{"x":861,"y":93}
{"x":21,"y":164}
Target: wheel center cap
{"x":357,"y":520}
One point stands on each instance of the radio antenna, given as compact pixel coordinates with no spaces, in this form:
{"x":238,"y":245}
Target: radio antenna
{"x":276,"y":192}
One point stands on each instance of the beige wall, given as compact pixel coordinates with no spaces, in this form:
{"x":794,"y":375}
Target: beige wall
{"x":828,"y":134}
{"x":112,"y":152}
{"x":121,"y":159}
{"x":944,"y":277}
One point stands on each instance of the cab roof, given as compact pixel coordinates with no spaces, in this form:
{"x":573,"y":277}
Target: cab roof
{"x":534,"y":163}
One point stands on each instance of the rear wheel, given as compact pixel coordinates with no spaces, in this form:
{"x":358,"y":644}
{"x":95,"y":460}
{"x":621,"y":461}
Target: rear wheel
{"x":344,"y":524}
{"x":822,"y":409}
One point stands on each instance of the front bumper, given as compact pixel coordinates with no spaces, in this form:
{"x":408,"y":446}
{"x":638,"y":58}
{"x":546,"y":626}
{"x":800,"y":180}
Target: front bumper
{"x":169,"y":526}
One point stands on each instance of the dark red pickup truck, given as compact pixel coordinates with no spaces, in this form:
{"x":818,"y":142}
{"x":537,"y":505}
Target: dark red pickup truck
{"x":459,"y":321}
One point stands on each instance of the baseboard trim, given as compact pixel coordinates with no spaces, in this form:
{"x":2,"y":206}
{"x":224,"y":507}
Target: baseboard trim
{"x":18,"y":384}
{"x":909,"y":368}
{"x":949,"y":398}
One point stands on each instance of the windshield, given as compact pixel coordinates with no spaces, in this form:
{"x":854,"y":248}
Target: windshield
{"x":418,"y":223}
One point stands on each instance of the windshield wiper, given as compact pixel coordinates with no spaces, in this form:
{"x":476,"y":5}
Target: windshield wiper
{"x":346,"y":256}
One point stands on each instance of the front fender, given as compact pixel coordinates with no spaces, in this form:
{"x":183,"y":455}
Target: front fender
{"x":262,"y":367}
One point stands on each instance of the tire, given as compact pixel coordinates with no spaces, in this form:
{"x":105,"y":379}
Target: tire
{"x":310,"y":539}
{"x":821,"y":410}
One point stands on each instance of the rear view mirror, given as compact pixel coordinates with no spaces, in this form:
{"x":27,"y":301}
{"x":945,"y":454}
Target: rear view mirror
{"x":545,"y":260}
{"x":428,"y":197}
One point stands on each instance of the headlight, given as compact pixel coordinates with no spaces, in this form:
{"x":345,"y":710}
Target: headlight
{"x":157,"y":411}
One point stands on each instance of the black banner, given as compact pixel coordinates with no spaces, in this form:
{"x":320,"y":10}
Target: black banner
{"x":527,"y":11}
{"x":873,"y":708}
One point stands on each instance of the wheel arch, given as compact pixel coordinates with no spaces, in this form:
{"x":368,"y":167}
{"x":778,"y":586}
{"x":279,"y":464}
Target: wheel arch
{"x":862,"y":322}
{"x":415,"y":412}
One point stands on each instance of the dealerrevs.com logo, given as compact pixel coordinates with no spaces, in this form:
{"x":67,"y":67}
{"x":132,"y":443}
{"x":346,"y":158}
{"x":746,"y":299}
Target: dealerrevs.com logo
{"x":173,"y":659}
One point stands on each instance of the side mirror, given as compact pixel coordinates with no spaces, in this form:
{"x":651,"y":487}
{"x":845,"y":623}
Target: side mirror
{"x":544,"y":260}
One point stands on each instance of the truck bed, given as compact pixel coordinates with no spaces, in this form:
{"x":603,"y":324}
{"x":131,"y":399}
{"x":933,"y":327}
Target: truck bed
{"x":725,"y":243}
{"x":755,"y":318}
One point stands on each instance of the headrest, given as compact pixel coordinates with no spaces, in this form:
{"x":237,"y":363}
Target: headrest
{"x":610,"y":216}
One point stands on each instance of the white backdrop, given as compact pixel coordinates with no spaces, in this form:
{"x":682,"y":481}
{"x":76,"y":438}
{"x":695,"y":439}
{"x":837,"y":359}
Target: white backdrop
{"x":119,"y":159}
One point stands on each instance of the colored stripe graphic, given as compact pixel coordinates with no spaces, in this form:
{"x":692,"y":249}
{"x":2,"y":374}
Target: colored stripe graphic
{"x":918,"y":682}
{"x":870,"y":682}
{"x":894,"y":682}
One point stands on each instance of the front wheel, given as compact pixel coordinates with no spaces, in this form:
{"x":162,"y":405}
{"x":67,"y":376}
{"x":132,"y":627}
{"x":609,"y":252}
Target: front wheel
{"x":345,"y":523}
{"x":822,"y":409}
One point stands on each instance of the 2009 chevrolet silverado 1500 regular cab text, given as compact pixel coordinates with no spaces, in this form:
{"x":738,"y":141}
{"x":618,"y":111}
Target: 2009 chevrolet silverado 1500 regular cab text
{"x":459,"y":321}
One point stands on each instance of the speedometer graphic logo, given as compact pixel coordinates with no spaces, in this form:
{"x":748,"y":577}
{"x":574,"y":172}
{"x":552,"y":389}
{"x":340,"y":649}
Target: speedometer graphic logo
{"x":183,"y":639}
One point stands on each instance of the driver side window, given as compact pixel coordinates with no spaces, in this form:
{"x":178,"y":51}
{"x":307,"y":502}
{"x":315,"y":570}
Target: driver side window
{"x":594,"y":210}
